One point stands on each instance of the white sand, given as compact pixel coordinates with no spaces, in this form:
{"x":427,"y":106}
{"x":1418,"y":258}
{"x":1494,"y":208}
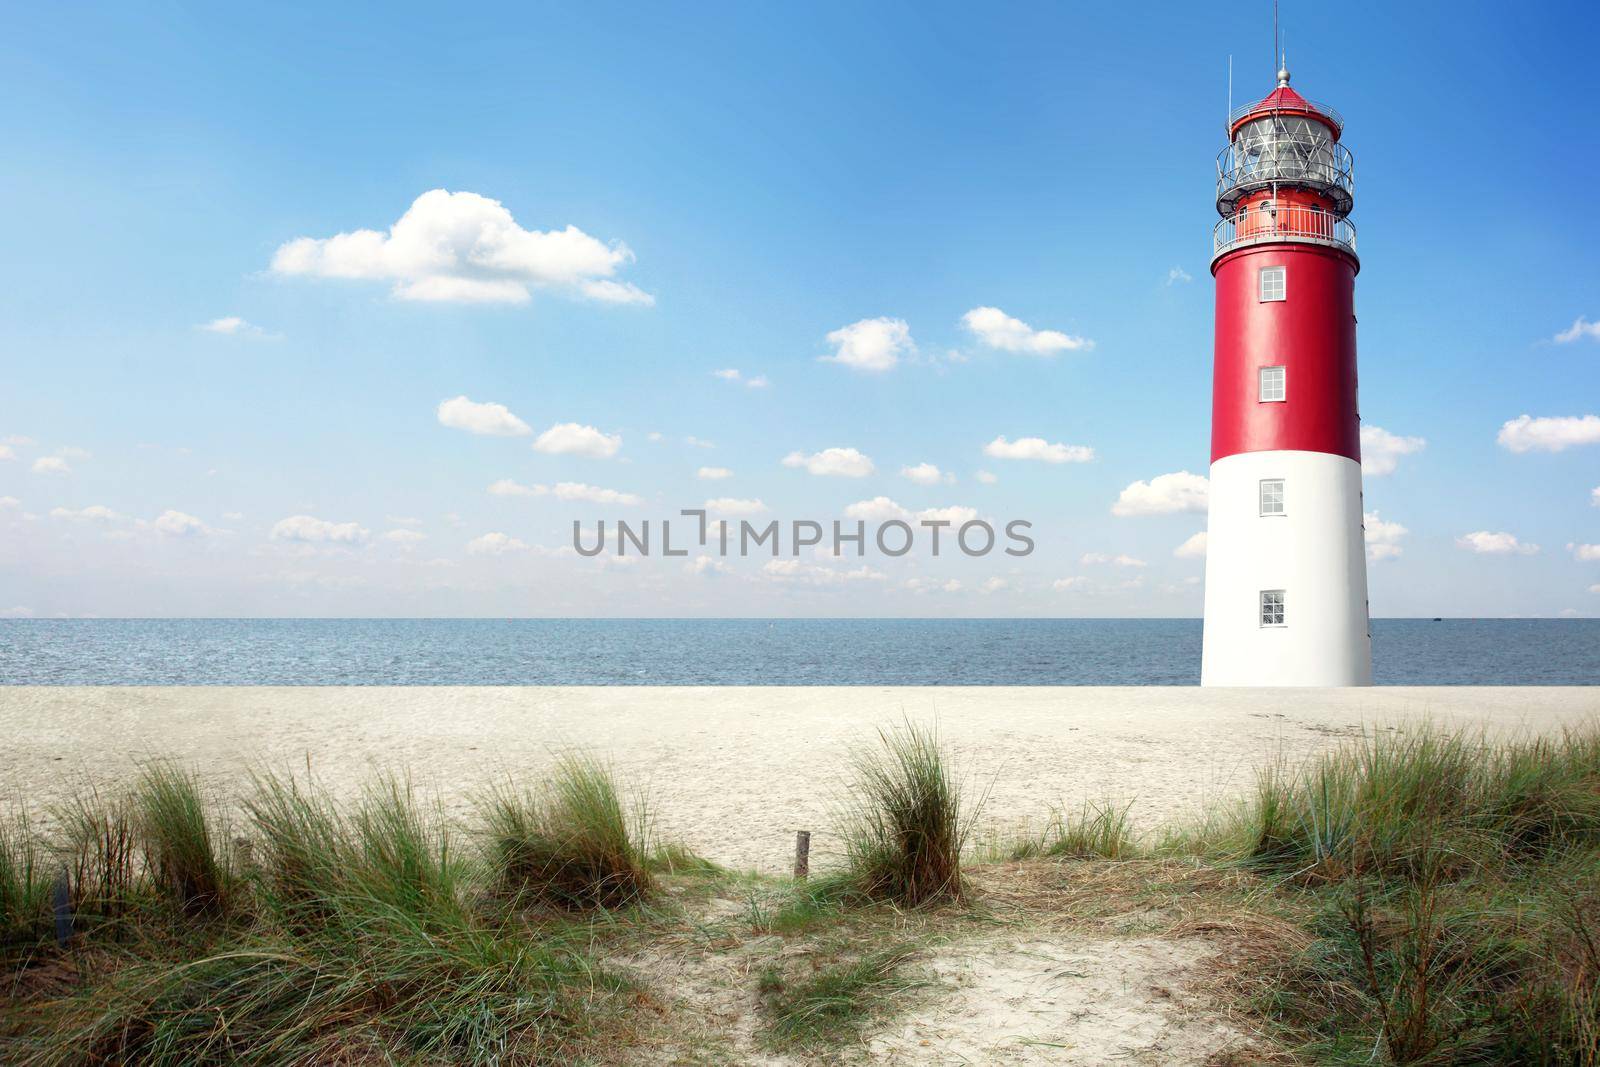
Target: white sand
{"x":733,"y":772}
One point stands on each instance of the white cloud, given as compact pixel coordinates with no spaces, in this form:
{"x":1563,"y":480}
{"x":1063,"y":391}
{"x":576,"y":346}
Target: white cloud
{"x":837,"y":462}
{"x":1120,"y":559}
{"x":707,"y":565}
{"x":878,"y":509}
{"x":933,"y":585}
{"x":955,"y":515}
{"x":1594,"y":496}
{"x":488,"y":418}
{"x":998,"y":330}
{"x":1383,"y":537}
{"x":1551,"y":434}
{"x":1495,"y":544}
{"x":405,"y":538}
{"x":51,"y":465}
{"x":92,"y":513}
{"x":593,"y":494}
{"x":1037,"y":448}
{"x":874,"y":345}
{"x":792,"y":570}
{"x":994,"y":585}
{"x":74,"y":452}
{"x":926,"y":474}
{"x":713,"y":474}
{"x":1581,"y":327}
{"x":1587,"y":553}
{"x":9,"y":502}
{"x":232,"y":326}
{"x":1595,"y":588}
{"x":312,"y":530}
{"x":1061,"y":585}
{"x":22,"y":440}
{"x":727,"y":505}
{"x":1381,"y":450}
{"x":7,"y":452}
{"x":986,"y":478}
{"x":466,"y":248}
{"x":569,"y":438}
{"x":178,"y":524}
{"x":1178,"y":275}
{"x":698,"y":442}
{"x":510,"y":487}
{"x":732,"y":374}
{"x":18,"y":612}
{"x":564,"y":491}
{"x":1193,"y":548}
{"x":398,"y":520}
{"x":495,"y":544}
{"x":1163,"y":495}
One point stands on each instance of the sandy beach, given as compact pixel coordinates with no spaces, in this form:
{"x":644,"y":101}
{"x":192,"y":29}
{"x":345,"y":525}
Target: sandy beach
{"x":733,"y":772}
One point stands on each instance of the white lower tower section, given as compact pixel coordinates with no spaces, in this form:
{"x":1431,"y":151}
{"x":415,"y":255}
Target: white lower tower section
{"x":1313,"y":552}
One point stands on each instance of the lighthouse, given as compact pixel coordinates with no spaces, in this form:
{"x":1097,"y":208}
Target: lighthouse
{"x":1286,"y":573}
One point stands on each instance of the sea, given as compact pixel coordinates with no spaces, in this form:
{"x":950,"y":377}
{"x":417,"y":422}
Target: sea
{"x":741,"y":652}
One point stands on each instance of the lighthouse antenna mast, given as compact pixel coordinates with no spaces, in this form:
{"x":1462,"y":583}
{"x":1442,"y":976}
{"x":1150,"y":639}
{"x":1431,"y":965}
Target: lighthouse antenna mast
{"x":1276,"y":51}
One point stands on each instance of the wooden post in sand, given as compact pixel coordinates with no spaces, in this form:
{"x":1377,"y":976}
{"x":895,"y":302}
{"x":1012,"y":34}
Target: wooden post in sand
{"x":61,"y":907}
{"x":802,"y":854}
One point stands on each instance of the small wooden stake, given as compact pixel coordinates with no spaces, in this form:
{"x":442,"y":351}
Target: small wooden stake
{"x":61,"y":904}
{"x":802,"y":854}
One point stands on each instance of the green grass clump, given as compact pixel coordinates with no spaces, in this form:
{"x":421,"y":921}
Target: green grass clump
{"x":365,"y":939}
{"x":101,"y":850}
{"x":905,"y":828}
{"x":24,"y":884}
{"x":575,"y":844}
{"x":180,"y":852}
{"x":1452,"y":883}
{"x":834,"y":1003}
{"x":1094,"y":831}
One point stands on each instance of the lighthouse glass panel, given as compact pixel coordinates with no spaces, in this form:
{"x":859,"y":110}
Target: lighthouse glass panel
{"x":1272,"y":613}
{"x":1274,"y":283}
{"x":1274,"y":384}
{"x":1272,"y":496}
{"x":1285,"y":149}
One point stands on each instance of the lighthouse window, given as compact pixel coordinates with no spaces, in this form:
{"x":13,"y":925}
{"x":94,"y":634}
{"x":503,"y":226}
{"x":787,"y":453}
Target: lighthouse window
{"x":1272,"y":607}
{"x":1273,"y":384}
{"x":1272,"y":496}
{"x":1274,"y":283}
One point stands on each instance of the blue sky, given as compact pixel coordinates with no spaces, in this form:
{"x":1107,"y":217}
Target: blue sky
{"x":745,"y":182}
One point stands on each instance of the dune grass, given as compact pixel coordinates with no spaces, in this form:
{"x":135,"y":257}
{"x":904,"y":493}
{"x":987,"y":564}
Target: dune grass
{"x":1436,"y":896}
{"x":357,"y":932}
{"x":833,"y":1003}
{"x":904,"y":825}
{"x":175,"y":831}
{"x":1452,"y":884}
{"x":99,"y":840}
{"x":1095,"y":830}
{"x":574,"y":844}
{"x":24,"y":884}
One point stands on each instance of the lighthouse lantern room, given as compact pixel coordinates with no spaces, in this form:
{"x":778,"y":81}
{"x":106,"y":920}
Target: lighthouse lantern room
{"x":1286,"y":579}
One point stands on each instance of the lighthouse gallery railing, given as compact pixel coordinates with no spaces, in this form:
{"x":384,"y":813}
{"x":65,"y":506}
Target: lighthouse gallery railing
{"x":1256,"y":163}
{"x":1285,"y":222}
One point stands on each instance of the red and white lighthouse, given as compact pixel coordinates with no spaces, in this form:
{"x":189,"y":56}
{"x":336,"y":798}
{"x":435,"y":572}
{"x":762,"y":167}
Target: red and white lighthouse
{"x":1286,"y":572}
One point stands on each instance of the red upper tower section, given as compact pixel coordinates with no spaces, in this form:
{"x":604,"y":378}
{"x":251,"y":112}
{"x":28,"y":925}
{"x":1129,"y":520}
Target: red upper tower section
{"x":1284,"y":259}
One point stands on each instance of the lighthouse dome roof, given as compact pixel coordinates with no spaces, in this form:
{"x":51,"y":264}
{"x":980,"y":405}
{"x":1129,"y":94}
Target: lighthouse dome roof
{"x":1285,"y":101}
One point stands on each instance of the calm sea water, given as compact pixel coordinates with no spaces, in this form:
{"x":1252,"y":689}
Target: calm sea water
{"x":740,"y":652}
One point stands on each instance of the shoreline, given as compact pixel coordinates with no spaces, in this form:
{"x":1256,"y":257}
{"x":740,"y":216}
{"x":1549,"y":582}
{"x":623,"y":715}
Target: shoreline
{"x":732,"y":772}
